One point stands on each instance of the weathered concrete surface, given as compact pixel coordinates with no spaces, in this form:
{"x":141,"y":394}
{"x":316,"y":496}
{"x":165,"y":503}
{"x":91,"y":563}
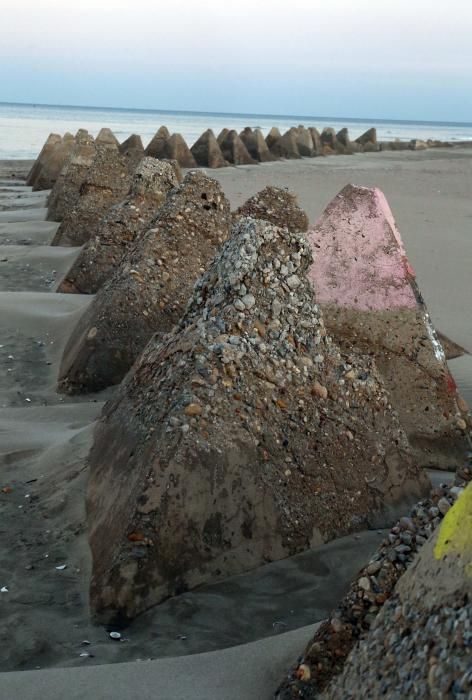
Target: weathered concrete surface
{"x":150,"y":289}
{"x":222,"y":135}
{"x":106,"y":182}
{"x":327,"y":661}
{"x":256,"y":145}
{"x":419,"y":645}
{"x":370,"y":299}
{"x":272,"y":137}
{"x":66,"y":189}
{"x":133,"y":147}
{"x":43,"y":156}
{"x":171,"y":147}
{"x":344,"y":143}
{"x":231,"y":442}
{"x":276,"y":205}
{"x":328,"y":141}
{"x":305,"y":144}
{"x":106,"y":137}
{"x":156,"y":147}
{"x":207,"y":152}
{"x":287,"y":145}
{"x":316,"y":138}
{"x":234,"y":150}
{"x":368,"y":137}
{"x":50,"y":162}
{"x":177,"y":149}
{"x":120,"y":227}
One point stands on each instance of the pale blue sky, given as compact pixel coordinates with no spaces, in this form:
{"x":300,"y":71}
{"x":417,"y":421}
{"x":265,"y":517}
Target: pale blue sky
{"x":403,"y":59}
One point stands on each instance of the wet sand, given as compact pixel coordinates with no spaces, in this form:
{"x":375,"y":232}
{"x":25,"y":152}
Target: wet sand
{"x":45,"y":438}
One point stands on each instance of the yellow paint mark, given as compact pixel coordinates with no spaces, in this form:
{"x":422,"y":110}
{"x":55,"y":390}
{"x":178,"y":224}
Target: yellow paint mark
{"x":455,"y":534}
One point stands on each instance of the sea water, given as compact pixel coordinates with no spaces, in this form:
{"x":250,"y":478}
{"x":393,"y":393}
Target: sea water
{"x":25,"y":127}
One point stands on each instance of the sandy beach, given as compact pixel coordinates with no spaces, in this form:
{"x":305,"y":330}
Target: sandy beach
{"x":45,"y":561}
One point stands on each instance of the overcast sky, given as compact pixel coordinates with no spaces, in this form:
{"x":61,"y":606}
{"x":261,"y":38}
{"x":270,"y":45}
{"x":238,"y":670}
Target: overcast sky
{"x":404,"y":59}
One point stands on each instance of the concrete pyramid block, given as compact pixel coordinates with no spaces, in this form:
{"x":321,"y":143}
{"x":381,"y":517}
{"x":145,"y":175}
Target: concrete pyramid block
{"x":305,"y":144}
{"x":207,"y":152}
{"x":42,"y":158}
{"x":106,"y":137}
{"x":276,"y":205}
{"x":120,"y":227}
{"x":222,"y":135}
{"x":369,"y":137}
{"x":329,"y":141}
{"x":287,"y":145}
{"x":156,"y":147}
{"x":256,"y":145}
{"x":82,"y":135}
{"x":397,"y":604}
{"x":234,"y":150}
{"x":150,"y":289}
{"x":132,"y":146}
{"x":422,"y":634}
{"x":52,"y":163}
{"x":178,"y":150}
{"x":344,"y":143}
{"x":316,"y":138}
{"x":370,"y":299}
{"x":66,"y":189}
{"x":272,"y":137}
{"x":106,"y":181}
{"x":235,"y":440}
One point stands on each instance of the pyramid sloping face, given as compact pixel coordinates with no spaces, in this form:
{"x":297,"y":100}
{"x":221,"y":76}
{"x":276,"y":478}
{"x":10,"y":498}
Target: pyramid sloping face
{"x":277,"y":206}
{"x":106,"y":137}
{"x":66,"y":189}
{"x":148,"y":292}
{"x":425,"y":627}
{"x":222,"y":135}
{"x":105,"y":182}
{"x":287,"y":145}
{"x":231,"y":443}
{"x":368,"y":137}
{"x":256,"y":145}
{"x":234,"y":150}
{"x":207,"y":152}
{"x":50,"y":163}
{"x":305,"y":144}
{"x":42,"y":158}
{"x":133,"y":144}
{"x":316,"y":138}
{"x":328,"y":137}
{"x":345,"y":145}
{"x":156,"y":148}
{"x":178,"y":150}
{"x":272,"y":137}
{"x":120,"y":227}
{"x":370,"y":299}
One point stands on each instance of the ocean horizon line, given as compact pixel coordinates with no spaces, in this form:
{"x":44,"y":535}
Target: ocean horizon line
{"x":143,"y":110}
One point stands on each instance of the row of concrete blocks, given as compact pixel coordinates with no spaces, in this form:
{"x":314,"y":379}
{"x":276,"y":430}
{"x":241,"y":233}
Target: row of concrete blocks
{"x":249,"y":147}
{"x":229,"y":148}
{"x":255,"y":377}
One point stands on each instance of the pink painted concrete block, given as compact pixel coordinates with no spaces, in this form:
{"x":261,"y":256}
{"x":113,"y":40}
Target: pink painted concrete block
{"x":371,"y":302}
{"x":361,"y":262}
